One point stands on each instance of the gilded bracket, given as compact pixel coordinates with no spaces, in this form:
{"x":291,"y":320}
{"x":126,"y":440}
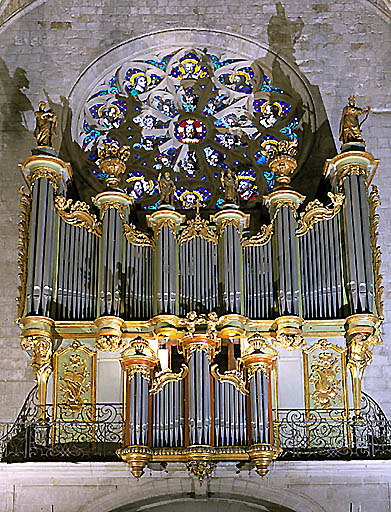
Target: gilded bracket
{"x":77,"y":214}
{"x":233,"y":377}
{"x":136,"y":237}
{"x":316,"y":212}
{"x":163,"y":377}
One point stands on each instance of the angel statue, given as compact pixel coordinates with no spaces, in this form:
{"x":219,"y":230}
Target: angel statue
{"x":230,"y":184}
{"x":45,"y":125}
{"x":166,"y":188}
{"x":349,"y":128}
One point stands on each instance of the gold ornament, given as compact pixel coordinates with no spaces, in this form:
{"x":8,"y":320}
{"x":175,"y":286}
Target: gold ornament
{"x":77,"y":214}
{"x":113,"y":159}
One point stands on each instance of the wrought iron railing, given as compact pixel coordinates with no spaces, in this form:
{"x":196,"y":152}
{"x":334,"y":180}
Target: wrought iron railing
{"x":98,"y":431}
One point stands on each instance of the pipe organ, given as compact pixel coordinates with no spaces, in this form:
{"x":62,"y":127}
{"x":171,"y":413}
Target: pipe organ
{"x":167,"y":301}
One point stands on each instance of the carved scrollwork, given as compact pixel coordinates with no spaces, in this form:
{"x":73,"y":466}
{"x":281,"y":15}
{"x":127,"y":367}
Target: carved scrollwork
{"x":77,"y":214}
{"x":232,"y":377}
{"x":289,"y":341}
{"x":374,"y":202}
{"x":261,"y":238}
{"x":138,"y":368}
{"x":198,"y":227}
{"x":315,"y":211}
{"x":253,"y":368}
{"x":136,"y":237}
{"x":165,"y":376}
{"x":24,"y":219}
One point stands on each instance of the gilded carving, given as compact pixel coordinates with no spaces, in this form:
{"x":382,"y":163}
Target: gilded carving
{"x":73,"y":384}
{"x":230,"y":184}
{"x":281,"y":159}
{"x":45,"y":125}
{"x":316,"y":212}
{"x":327,"y":390}
{"x":162,"y":378}
{"x":77,"y":214}
{"x":230,"y":222}
{"x":139,"y":368}
{"x":374,"y":202}
{"x":136,"y":237}
{"x":165,"y":221}
{"x":261,"y":238}
{"x":201,"y":469}
{"x":349,"y":128}
{"x":198,"y":227}
{"x":261,"y":455}
{"x":41,"y":354}
{"x":352,"y":169}
{"x":166,"y":188}
{"x":359,"y":351}
{"x":111,"y":343}
{"x":289,"y":341}
{"x":112,"y":161}
{"x":24,"y":219}
{"x":192,"y":321}
{"x":232,"y":377}
{"x":44,"y":172}
{"x":105,"y":205}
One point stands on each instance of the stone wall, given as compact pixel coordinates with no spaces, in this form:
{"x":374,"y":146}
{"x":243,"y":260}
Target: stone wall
{"x":341,"y":47}
{"x":290,"y":487}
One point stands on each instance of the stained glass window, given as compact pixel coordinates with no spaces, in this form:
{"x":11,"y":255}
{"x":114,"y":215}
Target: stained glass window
{"x":193,"y":113}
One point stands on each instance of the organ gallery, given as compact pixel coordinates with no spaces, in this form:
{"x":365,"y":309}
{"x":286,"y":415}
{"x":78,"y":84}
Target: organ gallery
{"x":199,"y":307}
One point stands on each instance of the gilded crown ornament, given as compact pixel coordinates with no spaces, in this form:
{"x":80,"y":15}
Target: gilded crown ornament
{"x":281,"y":160}
{"x":113,"y":159}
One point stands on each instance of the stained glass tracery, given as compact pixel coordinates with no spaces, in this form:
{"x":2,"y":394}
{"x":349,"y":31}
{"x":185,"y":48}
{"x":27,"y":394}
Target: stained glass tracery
{"x":194,"y":114}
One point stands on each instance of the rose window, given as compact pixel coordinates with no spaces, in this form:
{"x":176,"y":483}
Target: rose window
{"x":194,"y":114}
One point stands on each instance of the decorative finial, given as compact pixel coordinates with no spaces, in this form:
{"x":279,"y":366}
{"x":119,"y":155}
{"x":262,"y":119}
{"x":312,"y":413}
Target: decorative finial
{"x":281,"y":159}
{"x":112,"y":161}
{"x":45,"y":125}
{"x":349,"y":128}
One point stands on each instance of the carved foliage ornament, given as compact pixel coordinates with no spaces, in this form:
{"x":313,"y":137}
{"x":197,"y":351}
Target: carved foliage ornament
{"x":111,"y":343}
{"x":198,"y":227}
{"x":349,"y":170}
{"x":230,"y":222}
{"x":327,"y":391}
{"x":24,"y":220}
{"x":136,"y":237}
{"x":289,"y":341}
{"x":316,"y":212}
{"x":165,"y":376}
{"x":374,"y":202}
{"x":201,"y":469}
{"x":161,"y":223}
{"x":77,"y":214}
{"x":232,"y":377}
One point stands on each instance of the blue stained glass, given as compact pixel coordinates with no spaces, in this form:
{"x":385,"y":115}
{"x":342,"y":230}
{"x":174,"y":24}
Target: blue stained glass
{"x":219,"y":203}
{"x":162,"y":64}
{"x":220,"y":63}
{"x":266,"y":86}
{"x":289,"y":130}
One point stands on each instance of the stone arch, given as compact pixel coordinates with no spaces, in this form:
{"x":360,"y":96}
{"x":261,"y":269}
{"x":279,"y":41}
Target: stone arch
{"x":248,"y":493}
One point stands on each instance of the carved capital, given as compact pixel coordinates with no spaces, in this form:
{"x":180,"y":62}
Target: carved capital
{"x":289,"y":341}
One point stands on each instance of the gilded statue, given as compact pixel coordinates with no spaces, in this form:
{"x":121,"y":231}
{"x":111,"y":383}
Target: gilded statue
{"x":349,"y":129}
{"x":230,"y":184}
{"x":45,"y":125}
{"x":166,"y":188}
